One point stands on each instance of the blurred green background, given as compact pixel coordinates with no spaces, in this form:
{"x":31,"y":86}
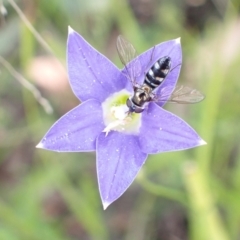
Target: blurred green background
{"x":193,"y":194}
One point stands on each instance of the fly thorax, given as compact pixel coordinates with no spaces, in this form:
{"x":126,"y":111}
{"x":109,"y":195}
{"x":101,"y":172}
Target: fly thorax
{"x":140,"y":97}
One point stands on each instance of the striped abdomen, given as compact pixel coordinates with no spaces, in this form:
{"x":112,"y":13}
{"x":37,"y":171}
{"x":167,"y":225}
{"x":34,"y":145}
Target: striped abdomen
{"x":158,"y":72}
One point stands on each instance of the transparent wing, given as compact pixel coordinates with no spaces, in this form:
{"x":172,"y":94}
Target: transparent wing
{"x":126,"y":51}
{"x":128,"y":57}
{"x":181,"y":94}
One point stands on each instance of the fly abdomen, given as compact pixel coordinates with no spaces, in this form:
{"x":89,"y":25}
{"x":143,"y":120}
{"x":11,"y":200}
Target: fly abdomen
{"x":158,"y":72}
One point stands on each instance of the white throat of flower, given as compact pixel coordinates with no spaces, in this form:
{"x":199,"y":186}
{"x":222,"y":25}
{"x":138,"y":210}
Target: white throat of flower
{"x":116,"y":114}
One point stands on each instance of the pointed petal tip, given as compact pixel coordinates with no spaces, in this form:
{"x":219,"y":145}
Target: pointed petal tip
{"x":178,"y":40}
{"x":70,"y":30}
{"x":202,"y":142}
{"x":105,"y":205}
{"x":40,"y":145}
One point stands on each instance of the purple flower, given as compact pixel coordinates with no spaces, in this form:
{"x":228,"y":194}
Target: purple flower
{"x":122,"y":141}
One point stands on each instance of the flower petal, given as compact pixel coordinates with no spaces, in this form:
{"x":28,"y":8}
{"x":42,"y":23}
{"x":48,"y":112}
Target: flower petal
{"x":162,"y":131}
{"x":119,"y":158}
{"x":91,"y":74}
{"x":147,"y":59}
{"x":77,"y":130}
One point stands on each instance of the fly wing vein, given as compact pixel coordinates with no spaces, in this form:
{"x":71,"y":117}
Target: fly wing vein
{"x":181,"y":94}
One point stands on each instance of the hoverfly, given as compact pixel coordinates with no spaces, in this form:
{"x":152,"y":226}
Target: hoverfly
{"x":153,"y":78}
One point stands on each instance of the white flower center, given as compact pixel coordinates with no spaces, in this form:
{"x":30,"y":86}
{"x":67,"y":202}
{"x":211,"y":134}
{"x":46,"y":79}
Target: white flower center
{"x":116,"y":114}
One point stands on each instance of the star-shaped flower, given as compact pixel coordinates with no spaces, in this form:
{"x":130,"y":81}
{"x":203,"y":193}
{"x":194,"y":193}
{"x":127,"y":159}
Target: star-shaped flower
{"x":122,"y":141}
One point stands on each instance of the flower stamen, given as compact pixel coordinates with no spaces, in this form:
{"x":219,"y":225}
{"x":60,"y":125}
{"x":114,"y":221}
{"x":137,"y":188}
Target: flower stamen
{"x":116,"y":114}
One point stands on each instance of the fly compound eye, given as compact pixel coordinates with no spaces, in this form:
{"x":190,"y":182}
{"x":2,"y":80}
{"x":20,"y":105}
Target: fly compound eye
{"x":129,"y":103}
{"x":133,"y":108}
{"x":138,"y":110}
